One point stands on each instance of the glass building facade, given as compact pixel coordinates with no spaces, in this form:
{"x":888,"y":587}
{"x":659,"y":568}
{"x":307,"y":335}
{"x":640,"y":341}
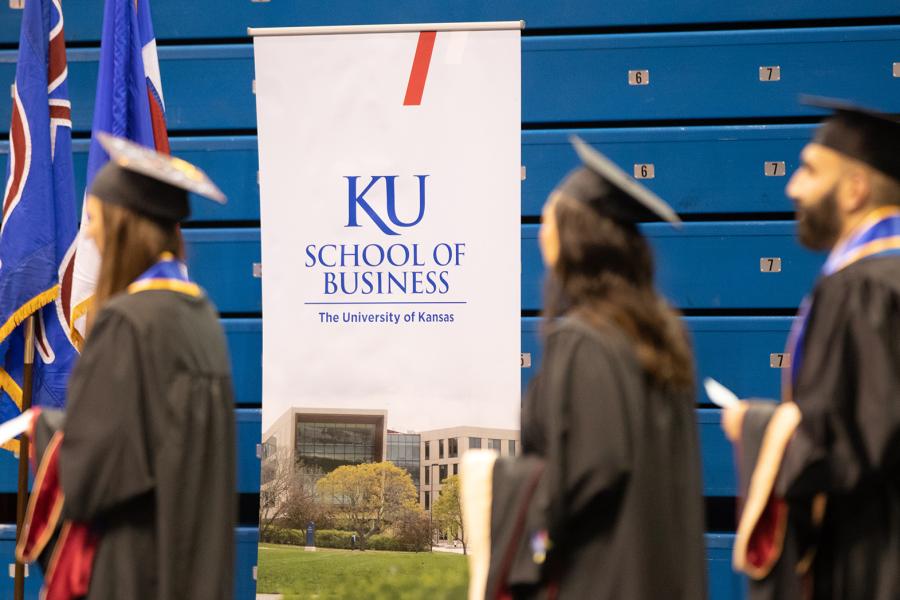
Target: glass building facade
{"x":328,"y":444}
{"x":403,"y":451}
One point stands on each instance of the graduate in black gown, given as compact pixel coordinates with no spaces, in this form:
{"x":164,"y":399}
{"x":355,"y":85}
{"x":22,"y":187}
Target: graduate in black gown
{"x":606,"y":502}
{"x":820,"y":473}
{"x":135,"y":495}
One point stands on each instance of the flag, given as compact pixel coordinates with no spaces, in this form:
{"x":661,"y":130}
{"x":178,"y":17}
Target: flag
{"x":39,"y":216}
{"x":129,"y":104}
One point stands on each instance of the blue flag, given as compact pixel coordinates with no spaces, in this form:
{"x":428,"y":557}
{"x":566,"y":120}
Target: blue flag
{"x":129,"y":104}
{"x":39,"y":219}
{"x":129,"y":91}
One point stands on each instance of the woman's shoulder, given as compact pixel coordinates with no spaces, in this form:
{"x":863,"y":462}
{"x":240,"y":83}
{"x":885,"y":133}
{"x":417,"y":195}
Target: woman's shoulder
{"x":148,"y":307}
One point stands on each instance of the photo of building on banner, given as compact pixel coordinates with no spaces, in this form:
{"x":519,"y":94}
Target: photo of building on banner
{"x":390,"y":179}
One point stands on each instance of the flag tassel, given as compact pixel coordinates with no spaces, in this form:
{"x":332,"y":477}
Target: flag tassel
{"x":27,"y":309}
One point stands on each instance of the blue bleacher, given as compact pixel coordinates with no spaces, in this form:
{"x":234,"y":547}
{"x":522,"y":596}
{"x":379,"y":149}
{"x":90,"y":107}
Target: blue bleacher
{"x":697,"y":75}
{"x":702,"y":266}
{"x":736,"y":350}
{"x":718,"y":470}
{"x":706,"y":122}
{"x":246,"y":540}
{"x":709,"y":265}
{"x":248,"y":430}
{"x":723,"y":583}
{"x":205,"y":19}
{"x":705,"y":75}
{"x":244,"y":337}
{"x":699,"y":170}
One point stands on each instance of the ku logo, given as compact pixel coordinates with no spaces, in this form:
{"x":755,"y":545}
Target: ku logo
{"x":392,"y":222}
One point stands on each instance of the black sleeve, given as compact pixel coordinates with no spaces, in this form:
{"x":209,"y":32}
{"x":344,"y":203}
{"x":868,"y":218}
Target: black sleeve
{"x":104,"y":459}
{"x":753,"y":430}
{"x":847,"y":391}
{"x":588,"y":450}
{"x":49,"y":421}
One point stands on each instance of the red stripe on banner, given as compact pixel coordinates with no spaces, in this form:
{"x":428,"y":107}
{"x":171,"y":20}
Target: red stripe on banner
{"x":416,"y":86}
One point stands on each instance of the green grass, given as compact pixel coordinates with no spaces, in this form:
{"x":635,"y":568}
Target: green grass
{"x":337,"y":574}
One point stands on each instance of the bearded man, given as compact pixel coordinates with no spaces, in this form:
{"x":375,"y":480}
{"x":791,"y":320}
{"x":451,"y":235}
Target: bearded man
{"x":820,"y":472}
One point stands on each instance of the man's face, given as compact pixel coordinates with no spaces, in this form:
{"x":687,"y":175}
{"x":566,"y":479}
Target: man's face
{"x":814,"y":191}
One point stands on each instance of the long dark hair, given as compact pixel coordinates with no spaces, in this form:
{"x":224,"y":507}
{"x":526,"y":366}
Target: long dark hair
{"x":604,"y":275}
{"x":132,"y":243}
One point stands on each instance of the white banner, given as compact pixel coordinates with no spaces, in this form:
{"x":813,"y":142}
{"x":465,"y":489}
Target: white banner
{"x":390,"y":184}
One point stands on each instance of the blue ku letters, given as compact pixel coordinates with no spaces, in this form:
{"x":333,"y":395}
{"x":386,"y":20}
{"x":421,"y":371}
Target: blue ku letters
{"x":357,"y":200}
{"x":384,"y":269}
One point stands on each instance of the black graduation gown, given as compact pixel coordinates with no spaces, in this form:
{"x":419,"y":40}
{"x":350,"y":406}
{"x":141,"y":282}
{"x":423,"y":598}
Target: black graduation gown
{"x":620,"y":492}
{"x":148,"y":453}
{"x":847,"y":444}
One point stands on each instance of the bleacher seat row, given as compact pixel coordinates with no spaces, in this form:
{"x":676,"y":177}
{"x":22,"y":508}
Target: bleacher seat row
{"x":692,"y":76}
{"x":174,"y":20}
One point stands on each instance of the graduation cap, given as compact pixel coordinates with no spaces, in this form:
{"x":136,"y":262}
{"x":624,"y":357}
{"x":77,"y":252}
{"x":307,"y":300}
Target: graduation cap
{"x":149,"y":183}
{"x":611,"y":191}
{"x":861,"y":133}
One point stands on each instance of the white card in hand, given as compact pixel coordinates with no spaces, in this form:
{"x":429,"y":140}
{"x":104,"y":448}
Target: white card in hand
{"x":15,"y":426}
{"x":719,"y":394}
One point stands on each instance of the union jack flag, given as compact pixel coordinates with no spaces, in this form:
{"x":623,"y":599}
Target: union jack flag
{"x":39,"y":219}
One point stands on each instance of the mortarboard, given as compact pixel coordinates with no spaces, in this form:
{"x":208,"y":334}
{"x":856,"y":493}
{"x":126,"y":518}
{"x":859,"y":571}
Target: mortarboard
{"x":148,"y":182}
{"x":612,"y":192}
{"x":866,"y":135}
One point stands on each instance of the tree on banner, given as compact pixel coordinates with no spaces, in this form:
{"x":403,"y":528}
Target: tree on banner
{"x":448,"y":511}
{"x":39,"y":218}
{"x":129,"y":104}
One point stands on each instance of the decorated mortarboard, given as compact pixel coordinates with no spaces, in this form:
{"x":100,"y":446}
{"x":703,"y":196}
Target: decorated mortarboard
{"x":866,"y":135}
{"x":148,"y":182}
{"x":611,"y":191}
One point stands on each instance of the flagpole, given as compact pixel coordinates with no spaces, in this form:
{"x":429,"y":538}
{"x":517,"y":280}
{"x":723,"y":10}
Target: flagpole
{"x":22,"y":496}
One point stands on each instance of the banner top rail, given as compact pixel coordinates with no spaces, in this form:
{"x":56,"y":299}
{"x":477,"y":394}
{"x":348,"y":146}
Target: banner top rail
{"x":398,"y":28}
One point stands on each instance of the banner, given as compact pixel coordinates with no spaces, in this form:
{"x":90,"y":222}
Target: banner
{"x":390,"y":179}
